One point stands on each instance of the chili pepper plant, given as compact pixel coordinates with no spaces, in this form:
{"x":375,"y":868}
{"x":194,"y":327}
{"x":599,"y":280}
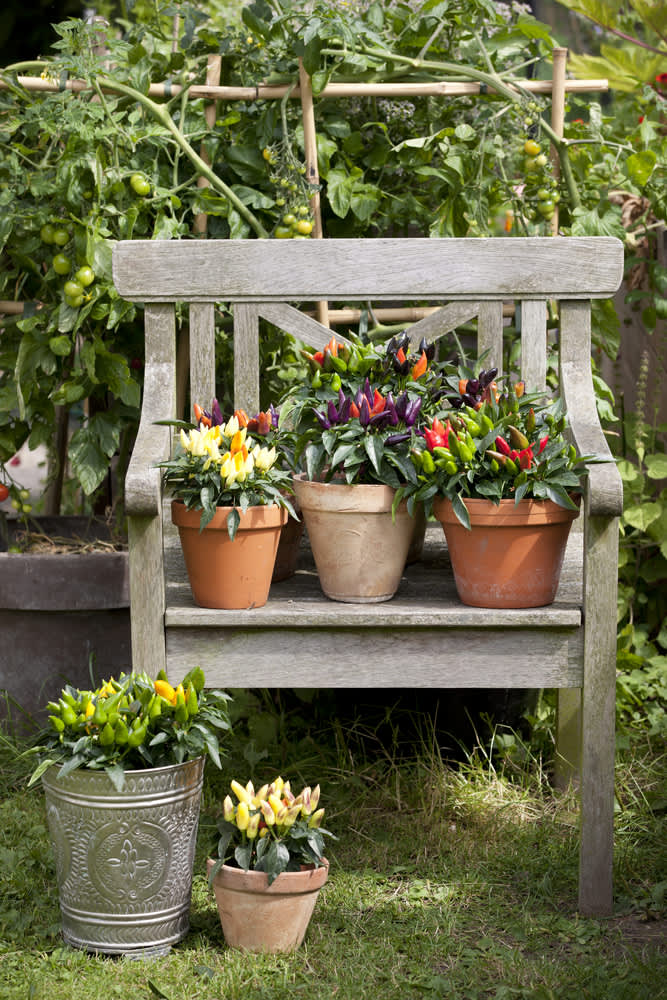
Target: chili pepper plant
{"x":362,"y":412}
{"x":497,"y":444}
{"x":218,"y":464}
{"x":133,"y":723}
{"x":271,"y":830}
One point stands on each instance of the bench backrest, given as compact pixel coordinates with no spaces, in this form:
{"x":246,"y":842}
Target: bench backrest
{"x":260,"y":278}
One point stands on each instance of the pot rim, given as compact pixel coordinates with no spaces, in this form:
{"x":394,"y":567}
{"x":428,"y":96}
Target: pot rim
{"x":372,"y":498}
{"x":266,"y":515}
{"x":309,"y":879}
{"x":508,"y":512}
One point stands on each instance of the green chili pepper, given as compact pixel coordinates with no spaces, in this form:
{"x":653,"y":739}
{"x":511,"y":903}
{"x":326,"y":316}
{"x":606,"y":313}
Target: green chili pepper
{"x":137,"y":736}
{"x":107,"y":736}
{"x":57,"y":723}
{"x":335,"y":382}
{"x":191,"y":701}
{"x":121,"y":732}
{"x":339,"y":364}
{"x":428,"y":465}
{"x":68,"y":715}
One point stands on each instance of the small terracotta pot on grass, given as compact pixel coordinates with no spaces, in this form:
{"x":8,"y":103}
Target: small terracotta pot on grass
{"x":259,"y":917}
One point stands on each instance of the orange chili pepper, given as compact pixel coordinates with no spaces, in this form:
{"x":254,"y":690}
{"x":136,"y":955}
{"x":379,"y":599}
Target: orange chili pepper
{"x":400,"y":355}
{"x":242,"y":417}
{"x":420,"y":367}
{"x":463,"y":382}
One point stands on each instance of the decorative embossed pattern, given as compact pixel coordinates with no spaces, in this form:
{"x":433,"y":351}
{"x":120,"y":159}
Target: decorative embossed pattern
{"x":124,"y":860}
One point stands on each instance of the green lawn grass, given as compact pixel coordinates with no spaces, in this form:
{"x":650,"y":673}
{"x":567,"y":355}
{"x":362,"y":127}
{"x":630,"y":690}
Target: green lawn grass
{"x":446,"y":882}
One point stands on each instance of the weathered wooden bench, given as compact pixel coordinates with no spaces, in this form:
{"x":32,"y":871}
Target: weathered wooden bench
{"x":423,"y":637}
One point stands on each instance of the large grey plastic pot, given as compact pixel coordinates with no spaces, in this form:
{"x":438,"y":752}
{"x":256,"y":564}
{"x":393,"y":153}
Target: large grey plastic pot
{"x":124,"y":859}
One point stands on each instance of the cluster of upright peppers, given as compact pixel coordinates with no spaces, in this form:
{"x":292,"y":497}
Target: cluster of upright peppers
{"x":128,"y":712}
{"x":481,"y":449}
{"x":227,"y":447}
{"x":373,"y":411}
{"x":272,"y":810}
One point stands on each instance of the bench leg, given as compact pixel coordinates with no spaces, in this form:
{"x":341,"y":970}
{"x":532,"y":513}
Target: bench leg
{"x":598,"y":718}
{"x":147,"y":594}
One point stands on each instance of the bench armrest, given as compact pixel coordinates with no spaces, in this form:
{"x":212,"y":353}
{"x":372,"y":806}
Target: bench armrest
{"x":604,"y":490}
{"x":143,"y":483}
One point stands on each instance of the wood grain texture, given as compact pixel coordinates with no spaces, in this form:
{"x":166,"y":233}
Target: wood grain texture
{"x":367,"y":269}
{"x":443,"y":321}
{"x":147,"y":594}
{"x":604,"y":490}
{"x":567,"y":763}
{"x":202,"y":353}
{"x":598,"y":716}
{"x":246,"y":358}
{"x":353,"y":658}
{"x":299,"y":325}
{"x":534,"y":344}
{"x":153,"y":443}
{"x":490,"y":334}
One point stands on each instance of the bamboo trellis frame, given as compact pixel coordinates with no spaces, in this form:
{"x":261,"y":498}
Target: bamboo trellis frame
{"x":558,"y":86}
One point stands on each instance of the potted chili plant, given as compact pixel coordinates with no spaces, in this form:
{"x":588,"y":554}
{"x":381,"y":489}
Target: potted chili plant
{"x":230,"y":503}
{"x":504,"y":482}
{"x":270,"y":866}
{"x":122,"y":769}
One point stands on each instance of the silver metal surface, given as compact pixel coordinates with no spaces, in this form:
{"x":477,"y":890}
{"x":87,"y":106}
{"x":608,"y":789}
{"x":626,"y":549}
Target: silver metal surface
{"x":124,"y":859}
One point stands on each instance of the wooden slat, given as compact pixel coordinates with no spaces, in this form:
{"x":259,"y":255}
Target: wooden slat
{"x":350,"y":657}
{"x":490,"y":334}
{"x":533,"y":344}
{"x":147,"y":594}
{"x":246,"y":358}
{"x":442,"y":322}
{"x":202,"y":353}
{"x":310,"y":331}
{"x":367,"y":269}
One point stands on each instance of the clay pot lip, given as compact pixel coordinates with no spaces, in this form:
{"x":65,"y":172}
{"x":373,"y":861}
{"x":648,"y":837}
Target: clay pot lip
{"x":507,"y":513}
{"x":308,"y":879}
{"x":335,"y":496}
{"x":269,"y":515}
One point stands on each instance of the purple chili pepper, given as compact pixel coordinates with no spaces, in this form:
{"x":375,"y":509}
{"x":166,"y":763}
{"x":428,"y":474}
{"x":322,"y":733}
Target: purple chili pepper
{"x":324,"y":423}
{"x":364,"y":412}
{"x":332,"y":412}
{"x":412,"y":411}
{"x":216,"y":414}
{"x":390,"y":408}
{"x":274,"y":415}
{"x":368,"y":393}
{"x":401,"y":404}
{"x":344,"y":410}
{"x":380,"y":420}
{"x":397,"y":438}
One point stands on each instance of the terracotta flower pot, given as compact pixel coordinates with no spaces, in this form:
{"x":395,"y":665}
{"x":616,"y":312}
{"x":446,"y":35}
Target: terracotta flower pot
{"x":288,"y":547}
{"x":224,"y":573}
{"x":359,"y":551}
{"x":256,"y":916}
{"x":513,"y":554}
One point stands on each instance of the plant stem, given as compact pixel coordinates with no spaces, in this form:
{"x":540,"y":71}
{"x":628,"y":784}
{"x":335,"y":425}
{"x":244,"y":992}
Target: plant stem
{"x":165,"y":119}
{"x":512,"y":91}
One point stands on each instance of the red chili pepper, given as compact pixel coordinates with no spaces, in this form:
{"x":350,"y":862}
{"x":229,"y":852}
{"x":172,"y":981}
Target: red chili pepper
{"x":378,"y":403}
{"x":400,"y":355}
{"x":543,"y":443}
{"x":436,"y":435}
{"x":264,"y":423}
{"x":502,"y":446}
{"x":354,"y":409}
{"x":526,"y":458}
{"x":319,"y":357}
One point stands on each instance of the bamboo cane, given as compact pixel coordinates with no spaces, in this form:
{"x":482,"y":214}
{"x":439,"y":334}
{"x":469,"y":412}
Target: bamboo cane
{"x":557,"y":114}
{"x":212,"y":78}
{"x":312,"y":171}
{"x":265,"y":92}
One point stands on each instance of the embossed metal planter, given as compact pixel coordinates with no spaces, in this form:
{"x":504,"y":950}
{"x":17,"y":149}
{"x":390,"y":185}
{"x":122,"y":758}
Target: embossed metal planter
{"x":124,"y":859}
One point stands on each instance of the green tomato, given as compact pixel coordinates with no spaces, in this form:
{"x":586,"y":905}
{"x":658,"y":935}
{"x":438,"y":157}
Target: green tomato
{"x":546,"y":208}
{"x":530,"y":165}
{"x":289,"y":219}
{"x":543,"y":194}
{"x":85,"y":276}
{"x":283,"y":233}
{"x":61,"y":264}
{"x":72,"y":289}
{"x":541,"y":160}
{"x":305,"y":227}
{"x":24,"y":494}
{"x":303,"y":210}
{"x":60,"y":237}
{"x":47,"y":233}
{"x":74,"y":301}
{"x":140,"y":185}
